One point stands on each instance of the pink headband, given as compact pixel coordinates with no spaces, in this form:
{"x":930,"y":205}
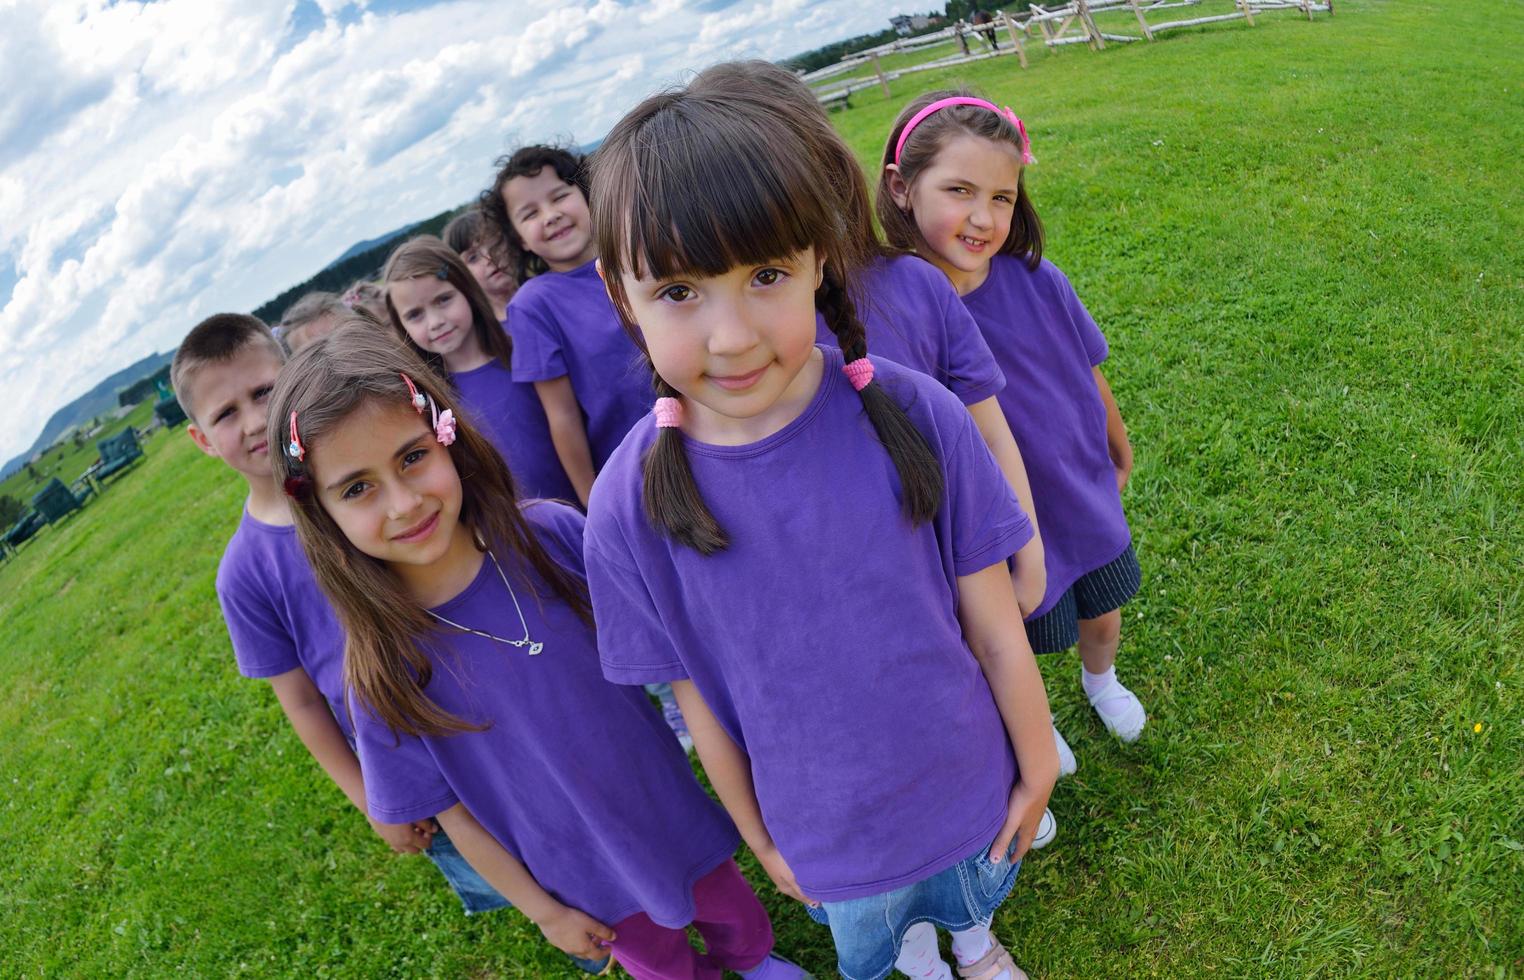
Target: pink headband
{"x":915,"y":120}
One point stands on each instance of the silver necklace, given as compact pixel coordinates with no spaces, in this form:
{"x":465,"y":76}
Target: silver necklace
{"x":534,"y":647}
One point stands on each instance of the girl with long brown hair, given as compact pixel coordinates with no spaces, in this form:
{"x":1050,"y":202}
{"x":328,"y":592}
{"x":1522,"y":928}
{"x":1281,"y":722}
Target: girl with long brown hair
{"x":470,"y":646}
{"x":438,"y":307}
{"x":811,"y":544}
{"x":953,"y":189}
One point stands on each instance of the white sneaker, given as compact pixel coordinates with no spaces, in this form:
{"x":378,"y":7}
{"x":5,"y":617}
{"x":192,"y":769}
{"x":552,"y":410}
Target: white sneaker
{"x":1066,"y":763}
{"x":1047,"y":829}
{"x":1120,"y":710}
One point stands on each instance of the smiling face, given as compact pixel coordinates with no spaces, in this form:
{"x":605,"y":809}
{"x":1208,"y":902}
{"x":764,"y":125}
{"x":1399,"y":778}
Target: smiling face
{"x":437,"y":317}
{"x":962,"y":204}
{"x":231,"y":406}
{"x":392,"y":489}
{"x":551,"y":219}
{"x":735,"y":345}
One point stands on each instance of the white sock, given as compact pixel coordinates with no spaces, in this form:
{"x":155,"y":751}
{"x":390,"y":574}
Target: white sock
{"x":970,"y":944}
{"x":1096,"y":683}
{"x":918,"y":954}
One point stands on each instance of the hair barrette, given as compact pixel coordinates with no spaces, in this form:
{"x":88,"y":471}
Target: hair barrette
{"x":443,"y":272}
{"x":294,"y":448}
{"x":416,"y":398}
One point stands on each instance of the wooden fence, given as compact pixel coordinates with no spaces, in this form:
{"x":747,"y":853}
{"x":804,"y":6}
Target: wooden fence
{"x":1071,"y":23}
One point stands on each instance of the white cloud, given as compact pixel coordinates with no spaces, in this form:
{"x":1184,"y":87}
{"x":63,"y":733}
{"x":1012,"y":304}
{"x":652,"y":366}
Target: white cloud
{"x":161,"y":161}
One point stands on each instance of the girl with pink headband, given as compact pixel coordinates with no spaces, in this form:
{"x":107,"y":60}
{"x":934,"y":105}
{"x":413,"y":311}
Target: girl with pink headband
{"x":810,"y":544}
{"x":953,"y":190}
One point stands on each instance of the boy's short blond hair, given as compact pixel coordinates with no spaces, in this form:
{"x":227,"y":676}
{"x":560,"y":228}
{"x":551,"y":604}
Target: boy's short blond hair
{"x":218,"y":338}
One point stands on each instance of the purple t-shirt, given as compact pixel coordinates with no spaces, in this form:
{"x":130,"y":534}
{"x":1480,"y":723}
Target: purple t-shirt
{"x":580,"y":779}
{"x":276,"y":615}
{"x":510,"y":415}
{"x":826,"y":638}
{"x":913,"y":316}
{"x":1047,"y":343}
{"x":564,"y":325}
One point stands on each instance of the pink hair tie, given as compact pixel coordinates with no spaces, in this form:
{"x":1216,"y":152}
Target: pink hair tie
{"x":669,"y":413}
{"x":915,"y":120}
{"x":859,"y":372}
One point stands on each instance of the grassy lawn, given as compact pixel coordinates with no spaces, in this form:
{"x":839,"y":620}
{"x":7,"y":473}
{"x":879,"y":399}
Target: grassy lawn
{"x":68,"y":461}
{"x":1303,"y":241}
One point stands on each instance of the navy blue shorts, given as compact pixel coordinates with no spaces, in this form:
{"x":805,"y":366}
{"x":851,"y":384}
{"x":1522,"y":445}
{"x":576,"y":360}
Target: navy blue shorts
{"x":1094,"y":594}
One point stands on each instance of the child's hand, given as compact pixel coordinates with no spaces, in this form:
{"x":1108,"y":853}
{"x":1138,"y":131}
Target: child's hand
{"x":1022,"y":816}
{"x":782,"y":875}
{"x":1121,"y":460}
{"x":574,"y":931}
{"x":406,"y":838}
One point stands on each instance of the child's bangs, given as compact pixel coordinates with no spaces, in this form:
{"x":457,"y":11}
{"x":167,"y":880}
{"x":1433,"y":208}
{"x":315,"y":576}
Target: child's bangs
{"x":704,"y":192}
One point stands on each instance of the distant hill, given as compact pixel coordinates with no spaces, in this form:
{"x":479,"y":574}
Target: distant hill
{"x":369,"y":244}
{"x":363,"y":264}
{"x":96,"y":401}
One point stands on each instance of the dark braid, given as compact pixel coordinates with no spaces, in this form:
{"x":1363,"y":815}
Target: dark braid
{"x":920,"y":472}
{"x":672,"y":499}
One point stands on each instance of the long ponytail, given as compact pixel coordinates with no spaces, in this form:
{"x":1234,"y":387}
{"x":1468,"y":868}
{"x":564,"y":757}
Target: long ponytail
{"x":671,"y":496}
{"x":920,"y":472}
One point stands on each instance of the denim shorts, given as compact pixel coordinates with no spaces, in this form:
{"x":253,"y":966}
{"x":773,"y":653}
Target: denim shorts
{"x":868,"y":931}
{"x":1095,"y":593}
{"x":474,"y":892}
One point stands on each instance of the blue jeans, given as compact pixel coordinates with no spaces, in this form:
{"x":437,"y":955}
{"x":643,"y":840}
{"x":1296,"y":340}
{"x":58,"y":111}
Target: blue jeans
{"x":868,"y":931}
{"x":475,"y":894}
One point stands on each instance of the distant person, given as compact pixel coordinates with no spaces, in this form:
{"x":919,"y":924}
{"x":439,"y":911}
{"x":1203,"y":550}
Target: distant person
{"x":368,"y":296}
{"x":953,"y":191}
{"x":566,"y":337}
{"x":438,"y":307}
{"x":984,"y":23}
{"x":282,"y":627}
{"x":310,"y":319}
{"x":472,"y":672}
{"x":810,"y":544}
{"x":471,"y":235}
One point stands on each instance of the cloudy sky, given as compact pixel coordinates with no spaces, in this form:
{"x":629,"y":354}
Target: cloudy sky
{"x":163,"y":161}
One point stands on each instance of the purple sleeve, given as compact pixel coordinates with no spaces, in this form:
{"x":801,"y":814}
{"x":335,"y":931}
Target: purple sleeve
{"x":559,"y":529}
{"x":1096,"y":347}
{"x":632,"y":640}
{"x":988,"y":525}
{"x":537,"y":343}
{"x":262,"y":645}
{"x":972,"y":372}
{"x":402,"y":781}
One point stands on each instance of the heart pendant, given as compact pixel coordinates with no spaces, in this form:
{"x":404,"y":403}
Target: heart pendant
{"x":535,"y":648}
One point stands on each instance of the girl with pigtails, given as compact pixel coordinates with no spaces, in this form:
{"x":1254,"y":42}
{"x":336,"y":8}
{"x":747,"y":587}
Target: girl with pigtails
{"x":810,"y":544}
{"x":469,"y":643}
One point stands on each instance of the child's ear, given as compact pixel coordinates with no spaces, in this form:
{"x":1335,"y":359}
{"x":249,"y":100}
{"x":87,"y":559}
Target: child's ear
{"x":820,"y":261}
{"x":899,"y":190}
{"x":199,"y":438}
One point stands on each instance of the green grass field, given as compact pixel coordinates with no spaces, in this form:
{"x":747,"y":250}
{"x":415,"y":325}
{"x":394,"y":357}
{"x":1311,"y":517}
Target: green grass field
{"x":1303,"y":241}
{"x":66,"y":460}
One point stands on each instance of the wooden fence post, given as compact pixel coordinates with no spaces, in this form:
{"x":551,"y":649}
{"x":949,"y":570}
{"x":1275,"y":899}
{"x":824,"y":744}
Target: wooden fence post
{"x":1097,"y":42}
{"x":1143,"y":22}
{"x":1248,"y":14}
{"x":883,"y":82}
{"x":1010,"y":26}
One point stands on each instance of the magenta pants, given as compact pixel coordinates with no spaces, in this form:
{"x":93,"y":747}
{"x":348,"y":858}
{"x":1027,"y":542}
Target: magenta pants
{"x":726,"y":913}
